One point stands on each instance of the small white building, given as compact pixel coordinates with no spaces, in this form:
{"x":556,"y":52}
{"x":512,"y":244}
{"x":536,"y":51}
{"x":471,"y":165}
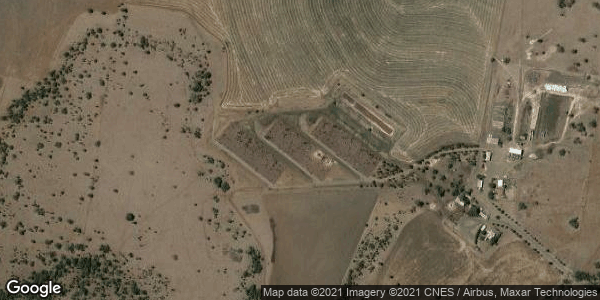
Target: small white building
{"x":483,"y":215}
{"x":515,"y":152}
{"x":488,"y":155}
{"x":555,"y":88}
{"x":480,"y":184}
{"x":500,"y":183}
{"x":490,"y":235}
{"x":492,"y":140}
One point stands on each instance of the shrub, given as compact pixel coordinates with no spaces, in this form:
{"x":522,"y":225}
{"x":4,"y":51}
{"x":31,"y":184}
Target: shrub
{"x":584,"y":276}
{"x":574,"y":222}
{"x":129,"y":217}
{"x":565,"y":3}
{"x":522,"y":206}
{"x":474,"y":211}
{"x":218,"y":181}
{"x":252,"y":293}
{"x":105,"y":248}
{"x":256,"y":260}
{"x":494,"y":240}
{"x":225,"y":186}
{"x":222,"y":184}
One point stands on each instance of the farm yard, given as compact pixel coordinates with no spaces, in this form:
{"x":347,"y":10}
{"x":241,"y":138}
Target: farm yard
{"x":295,"y":149}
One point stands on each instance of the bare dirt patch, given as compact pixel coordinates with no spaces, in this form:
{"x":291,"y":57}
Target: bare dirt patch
{"x":514,"y":263}
{"x":556,"y":191}
{"x":426,"y":254}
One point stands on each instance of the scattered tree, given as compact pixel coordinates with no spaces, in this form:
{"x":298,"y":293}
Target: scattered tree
{"x":474,"y":211}
{"x":574,"y":222}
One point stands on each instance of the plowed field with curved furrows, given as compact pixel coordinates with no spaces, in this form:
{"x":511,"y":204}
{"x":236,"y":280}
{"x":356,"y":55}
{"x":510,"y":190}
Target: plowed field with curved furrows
{"x":432,"y":56}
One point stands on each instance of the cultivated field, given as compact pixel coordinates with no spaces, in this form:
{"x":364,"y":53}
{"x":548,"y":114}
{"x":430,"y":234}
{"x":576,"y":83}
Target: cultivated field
{"x":286,"y":135}
{"x":242,"y":141}
{"x":432,"y":60}
{"x":552,"y":117}
{"x":316,"y":233}
{"x":524,"y":121}
{"x":346,"y":145}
